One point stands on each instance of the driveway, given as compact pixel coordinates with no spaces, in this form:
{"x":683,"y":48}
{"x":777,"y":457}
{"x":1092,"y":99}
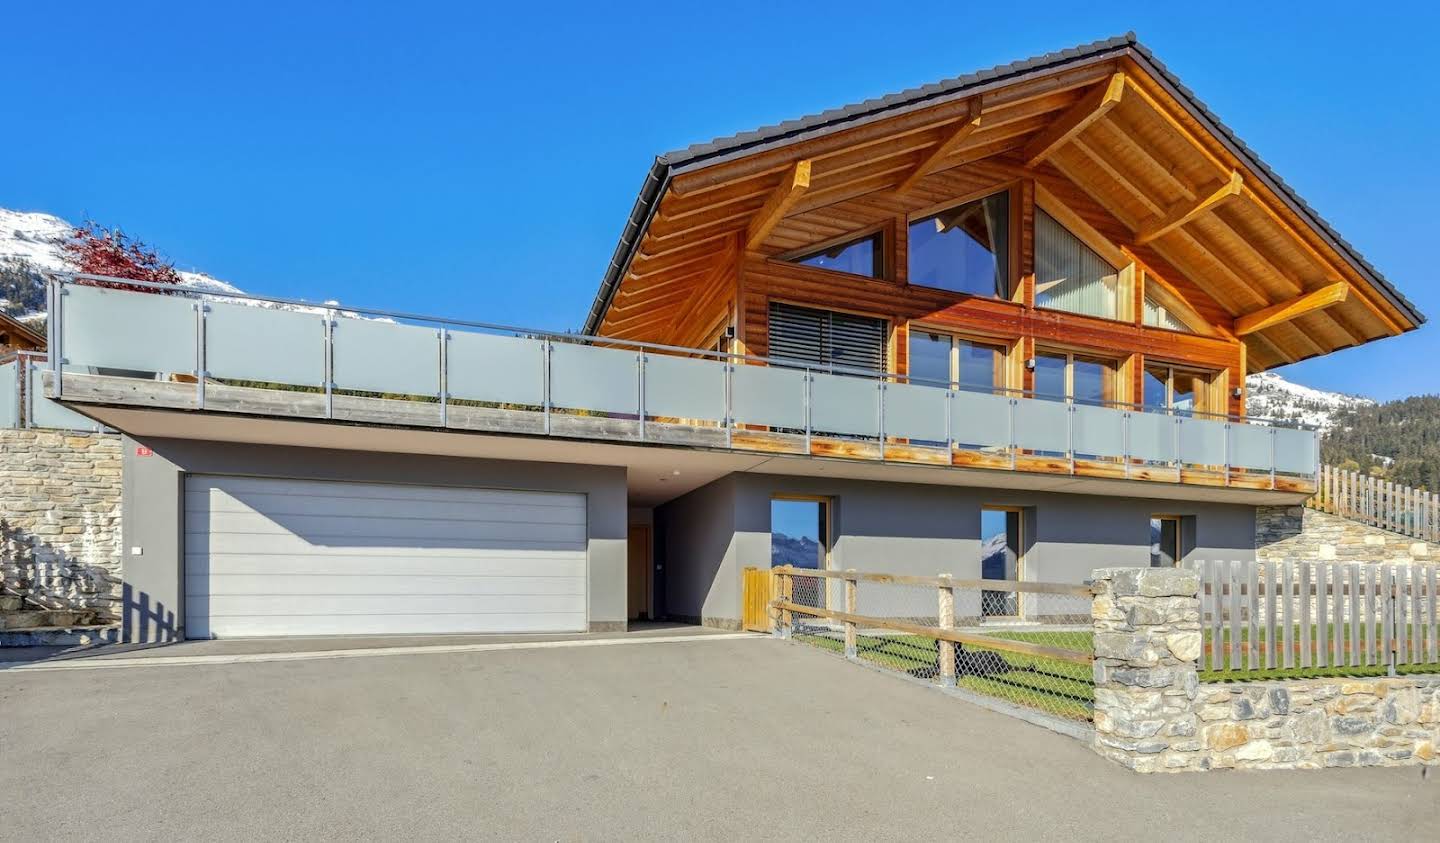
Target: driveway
{"x":670,"y":737}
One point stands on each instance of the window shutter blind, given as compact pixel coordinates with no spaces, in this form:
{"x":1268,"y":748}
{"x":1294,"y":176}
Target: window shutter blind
{"x":824,"y":338}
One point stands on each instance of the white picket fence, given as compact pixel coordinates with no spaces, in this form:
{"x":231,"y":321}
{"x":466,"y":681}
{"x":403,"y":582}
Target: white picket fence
{"x":1317,"y":615}
{"x":1380,"y":503}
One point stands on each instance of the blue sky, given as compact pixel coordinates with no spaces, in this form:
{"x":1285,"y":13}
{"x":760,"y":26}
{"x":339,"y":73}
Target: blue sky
{"x":479,"y":160}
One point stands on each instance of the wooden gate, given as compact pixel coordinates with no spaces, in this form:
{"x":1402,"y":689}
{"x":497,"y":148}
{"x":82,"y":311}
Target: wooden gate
{"x":757,"y":590}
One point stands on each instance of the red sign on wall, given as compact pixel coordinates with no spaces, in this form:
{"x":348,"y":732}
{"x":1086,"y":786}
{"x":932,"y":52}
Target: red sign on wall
{"x":142,"y":451}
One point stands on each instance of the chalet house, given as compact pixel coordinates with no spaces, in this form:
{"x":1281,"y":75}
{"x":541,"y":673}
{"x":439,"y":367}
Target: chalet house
{"x":994,"y":326}
{"x":17,"y":336}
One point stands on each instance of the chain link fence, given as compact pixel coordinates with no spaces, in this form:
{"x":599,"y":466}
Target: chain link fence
{"x":1023,"y":643}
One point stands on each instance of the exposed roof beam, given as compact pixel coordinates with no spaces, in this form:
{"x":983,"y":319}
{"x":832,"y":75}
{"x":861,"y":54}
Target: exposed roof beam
{"x":793,"y":185}
{"x":1287,"y":310}
{"x":966,"y":127}
{"x":1189,"y":211}
{"x":1075,"y":121}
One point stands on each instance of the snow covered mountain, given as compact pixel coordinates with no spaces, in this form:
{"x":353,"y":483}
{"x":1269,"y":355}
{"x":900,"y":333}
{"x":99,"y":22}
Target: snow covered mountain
{"x":1273,"y":397}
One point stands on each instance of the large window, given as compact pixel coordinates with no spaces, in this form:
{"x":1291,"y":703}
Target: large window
{"x":965,"y":249}
{"x":937,"y":359}
{"x":824,"y":338}
{"x":1071,"y":276}
{"x":1000,"y":558}
{"x":862,"y":256}
{"x":1180,"y":391}
{"x":1077,"y":377}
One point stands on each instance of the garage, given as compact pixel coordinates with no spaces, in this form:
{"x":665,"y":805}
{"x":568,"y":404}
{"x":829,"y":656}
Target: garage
{"x":276,"y":557}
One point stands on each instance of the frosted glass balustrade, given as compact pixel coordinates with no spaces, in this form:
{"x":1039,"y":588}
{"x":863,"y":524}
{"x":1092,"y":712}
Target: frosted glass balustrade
{"x":915,"y":412}
{"x":125,"y":330}
{"x":374,"y":356}
{"x":1202,"y":442}
{"x":766,"y":395}
{"x":604,"y":380}
{"x":980,"y":420}
{"x":496,"y":369}
{"x":684,"y":388}
{"x":47,"y":413}
{"x":10,"y":394}
{"x":845,"y":405}
{"x":1295,"y":451}
{"x":1250,"y":447}
{"x":1152,"y":437}
{"x":243,"y":342}
{"x":1098,"y":431}
{"x":1041,"y":425}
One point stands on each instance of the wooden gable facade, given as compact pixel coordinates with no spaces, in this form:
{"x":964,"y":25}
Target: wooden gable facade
{"x":1100,"y":140}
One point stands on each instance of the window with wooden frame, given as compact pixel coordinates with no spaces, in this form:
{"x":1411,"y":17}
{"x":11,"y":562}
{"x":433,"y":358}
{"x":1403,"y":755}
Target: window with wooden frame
{"x":1078,"y":270}
{"x":862,"y":255}
{"x":1183,"y":391}
{"x":1076,"y":377}
{"x":937,"y":359}
{"x":964,"y":248}
{"x":1163,"y":308}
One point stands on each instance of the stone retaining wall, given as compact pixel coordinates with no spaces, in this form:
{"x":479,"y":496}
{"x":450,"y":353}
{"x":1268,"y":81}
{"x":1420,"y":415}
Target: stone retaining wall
{"x":60,"y":543}
{"x":1153,"y":715}
{"x":1293,"y":532}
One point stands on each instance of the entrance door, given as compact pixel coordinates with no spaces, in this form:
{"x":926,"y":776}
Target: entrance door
{"x":638,"y":576}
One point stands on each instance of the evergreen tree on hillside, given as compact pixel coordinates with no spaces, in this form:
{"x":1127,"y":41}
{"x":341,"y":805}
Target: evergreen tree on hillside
{"x":1397,"y":441}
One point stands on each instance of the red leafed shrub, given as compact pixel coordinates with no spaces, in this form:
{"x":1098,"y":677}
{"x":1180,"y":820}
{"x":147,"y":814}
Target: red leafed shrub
{"x":93,"y":250}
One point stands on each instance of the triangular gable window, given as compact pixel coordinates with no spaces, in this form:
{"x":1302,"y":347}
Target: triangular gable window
{"x":1158,"y":315}
{"x":862,"y":256}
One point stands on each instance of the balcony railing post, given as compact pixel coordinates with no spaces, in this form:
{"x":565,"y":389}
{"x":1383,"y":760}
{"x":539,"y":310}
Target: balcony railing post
{"x":1125,"y":440}
{"x":545,"y":380}
{"x":200,"y":311}
{"x":1070,"y":434}
{"x":56,"y":340}
{"x":1227,"y":451}
{"x":729,"y":402}
{"x":809,"y":393}
{"x":329,"y":352}
{"x":880,"y":412}
{"x":1012,"y":445}
{"x":1272,"y":457}
{"x":640,"y":390}
{"x":444,"y":377}
{"x":1175,"y":422}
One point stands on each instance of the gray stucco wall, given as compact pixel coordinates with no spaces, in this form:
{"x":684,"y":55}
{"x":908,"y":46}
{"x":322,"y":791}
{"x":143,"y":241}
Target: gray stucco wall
{"x":715,"y":531}
{"x":153,"y":498}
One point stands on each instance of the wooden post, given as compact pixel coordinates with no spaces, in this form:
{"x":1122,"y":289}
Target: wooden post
{"x":851,"y":603}
{"x":946,"y":616}
{"x":787,"y":590}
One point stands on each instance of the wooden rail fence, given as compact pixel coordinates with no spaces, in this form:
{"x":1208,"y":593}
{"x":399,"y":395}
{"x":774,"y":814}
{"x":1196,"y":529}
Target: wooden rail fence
{"x":1379,"y":503}
{"x":944,"y":633}
{"x":1317,"y":615}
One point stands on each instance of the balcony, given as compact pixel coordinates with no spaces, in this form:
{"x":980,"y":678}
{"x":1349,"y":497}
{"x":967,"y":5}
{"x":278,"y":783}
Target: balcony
{"x":134,"y":346}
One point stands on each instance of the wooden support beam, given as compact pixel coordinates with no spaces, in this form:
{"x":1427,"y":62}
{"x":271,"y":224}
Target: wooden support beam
{"x":792,"y":186}
{"x":1075,"y":121}
{"x":964,"y":129}
{"x":1287,"y":310}
{"x":1188,"y":211}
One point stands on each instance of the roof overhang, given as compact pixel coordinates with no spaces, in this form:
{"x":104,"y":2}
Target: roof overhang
{"x":1123,"y":51}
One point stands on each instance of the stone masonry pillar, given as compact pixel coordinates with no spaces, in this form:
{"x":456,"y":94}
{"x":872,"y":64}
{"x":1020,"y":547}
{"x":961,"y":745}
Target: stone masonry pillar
{"x":1147,"y":651}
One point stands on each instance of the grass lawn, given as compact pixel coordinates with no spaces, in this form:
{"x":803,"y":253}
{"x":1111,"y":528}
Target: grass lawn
{"x":1060,"y":688}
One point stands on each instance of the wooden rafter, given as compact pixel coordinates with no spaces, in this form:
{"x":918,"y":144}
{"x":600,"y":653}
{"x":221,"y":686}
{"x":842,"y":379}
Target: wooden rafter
{"x":1186,"y":212}
{"x":792,"y":186}
{"x":964,"y":129}
{"x":1288,"y":310}
{"x":1075,"y":121}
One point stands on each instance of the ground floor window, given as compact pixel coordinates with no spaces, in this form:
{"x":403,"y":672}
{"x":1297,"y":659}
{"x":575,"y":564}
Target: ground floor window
{"x":1001,"y":558}
{"x":800,"y":536}
{"x":1165,"y":541}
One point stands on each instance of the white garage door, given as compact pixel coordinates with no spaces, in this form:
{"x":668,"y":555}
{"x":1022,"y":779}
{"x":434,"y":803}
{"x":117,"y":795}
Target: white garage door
{"x":306,"y":557}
